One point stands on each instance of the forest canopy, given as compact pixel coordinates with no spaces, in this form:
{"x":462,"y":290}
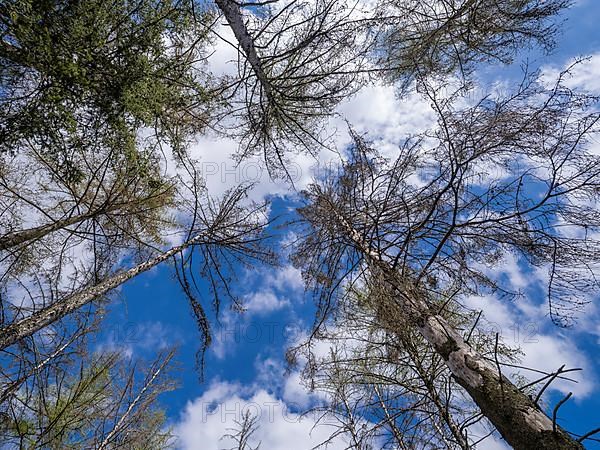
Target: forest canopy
{"x":111,"y":112}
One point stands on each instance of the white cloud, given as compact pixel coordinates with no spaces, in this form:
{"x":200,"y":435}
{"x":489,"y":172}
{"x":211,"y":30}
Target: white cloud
{"x":583,"y":76}
{"x":286,"y":278}
{"x":377,"y":109}
{"x":294,"y":392}
{"x":131,"y":338}
{"x":481,"y":429}
{"x":224,"y":57}
{"x":271,"y":295}
{"x":225,"y":335}
{"x":264,"y":302}
{"x":212,"y":415}
{"x":268,"y":372}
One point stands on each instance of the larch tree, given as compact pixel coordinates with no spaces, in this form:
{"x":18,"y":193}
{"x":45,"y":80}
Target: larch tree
{"x":508,"y":174}
{"x":99,"y":103}
{"x":223,"y":231}
{"x":94,"y":95}
{"x":385,"y":387}
{"x":297,"y":61}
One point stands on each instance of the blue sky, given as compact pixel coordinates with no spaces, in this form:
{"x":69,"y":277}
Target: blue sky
{"x":246,"y":364}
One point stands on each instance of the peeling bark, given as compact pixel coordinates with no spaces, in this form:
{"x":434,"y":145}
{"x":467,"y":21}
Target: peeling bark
{"x":516,"y":417}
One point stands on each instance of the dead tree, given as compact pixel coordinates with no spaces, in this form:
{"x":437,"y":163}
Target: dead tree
{"x":100,"y":401}
{"x":221,"y":231}
{"x":420,"y":38}
{"x":453,"y":202}
{"x":241,"y":435}
{"x":298,"y":60}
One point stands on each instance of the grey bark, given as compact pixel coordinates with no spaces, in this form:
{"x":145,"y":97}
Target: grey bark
{"x":232,"y":12}
{"x":25,"y":327}
{"x":517,"y":418}
{"x":14,"y":386}
{"x":122,"y":420}
{"x":13,"y":239}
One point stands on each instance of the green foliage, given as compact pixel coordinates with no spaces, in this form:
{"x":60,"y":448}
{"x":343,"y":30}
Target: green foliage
{"x":93,"y":73}
{"x":77,"y":408}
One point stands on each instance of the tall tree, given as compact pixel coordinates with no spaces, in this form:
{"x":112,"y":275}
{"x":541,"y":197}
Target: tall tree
{"x":419,"y":38}
{"x":298,"y":60}
{"x":78,"y":73}
{"x":385,"y":386}
{"x":507,"y":174}
{"x":221,"y":231}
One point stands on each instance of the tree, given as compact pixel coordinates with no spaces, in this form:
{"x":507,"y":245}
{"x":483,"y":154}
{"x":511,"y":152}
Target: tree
{"x":96,"y":402}
{"x":109,"y":191}
{"x":60,"y":233}
{"x":424,"y":38}
{"x":78,"y":74}
{"x":101,"y":101}
{"x":298,"y":61}
{"x":386,"y":387}
{"x":427,"y":222}
{"x":224,"y":230}
{"x":97,"y":93}
{"x":242,"y":433}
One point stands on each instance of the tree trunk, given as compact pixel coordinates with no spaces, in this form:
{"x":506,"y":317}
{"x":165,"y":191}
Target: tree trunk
{"x":122,"y":422}
{"x":23,"y":328}
{"x":235,"y":19}
{"x":13,"y":239}
{"x":518,"y":419}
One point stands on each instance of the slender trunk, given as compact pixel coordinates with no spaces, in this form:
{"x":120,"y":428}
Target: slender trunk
{"x":122,"y":420}
{"x":14,"y":386}
{"x":390,"y":420}
{"x":443,"y":411}
{"x":235,"y":19}
{"x":518,"y":419}
{"x":23,"y":328}
{"x":13,"y":239}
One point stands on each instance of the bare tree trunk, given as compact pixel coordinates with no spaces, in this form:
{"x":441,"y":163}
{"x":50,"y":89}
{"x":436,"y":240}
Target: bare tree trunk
{"x":125,"y":416}
{"x":14,"y":386}
{"x":518,"y":419}
{"x":444,"y":413}
{"x":390,"y":420}
{"x":23,"y":328}
{"x":235,"y":19}
{"x":13,"y":239}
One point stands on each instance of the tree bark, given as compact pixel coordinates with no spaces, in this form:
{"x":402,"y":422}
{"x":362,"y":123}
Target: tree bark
{"x":23,"y":328}
{"x":518,"y":419}
{"x":13,"y":239}
{"x":235,"y":19}
{"x":125,"y":416}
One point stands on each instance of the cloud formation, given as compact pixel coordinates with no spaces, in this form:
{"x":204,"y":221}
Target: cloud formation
{"x":209,"y":417}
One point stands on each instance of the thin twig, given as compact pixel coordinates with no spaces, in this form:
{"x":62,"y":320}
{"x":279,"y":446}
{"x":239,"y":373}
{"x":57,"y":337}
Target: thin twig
{"x":548,"y":383}
{"x":558,"y":405}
